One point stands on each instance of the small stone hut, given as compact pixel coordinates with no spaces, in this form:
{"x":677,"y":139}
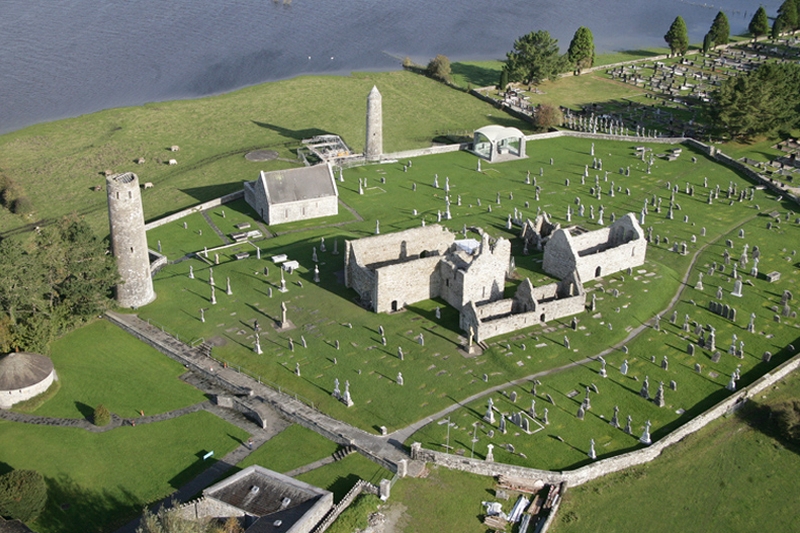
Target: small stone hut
{"x":24,"y":375}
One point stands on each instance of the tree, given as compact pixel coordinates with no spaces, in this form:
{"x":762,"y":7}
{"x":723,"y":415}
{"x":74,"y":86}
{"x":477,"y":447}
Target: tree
{"x":720,"y":29}
{"x":101,"y":415}
{"x":708,"y":42}
{"x":503,"y":79}
{"x":762,"y":101}
{"x":52,"y":281}
{"x":548,"y":116}
{"x":777,"y":28}
{"x":759,"y":25}
{"x":534,"y":58}
{"x":439,"y":68}
{"x":581,"y":49}
{"x":788,"y":15}
{"x":23,"y":494}
{"x":677,"y":37}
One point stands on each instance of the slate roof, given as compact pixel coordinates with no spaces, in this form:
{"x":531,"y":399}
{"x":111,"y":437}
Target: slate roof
{"x":296,"y":184}
{"x":23,"y":369}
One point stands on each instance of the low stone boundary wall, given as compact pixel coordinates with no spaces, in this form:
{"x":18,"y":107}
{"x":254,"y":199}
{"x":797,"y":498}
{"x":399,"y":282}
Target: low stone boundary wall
{"x":196,"y":209}
{"x":352,"y":494}
{"x":620,"y":462}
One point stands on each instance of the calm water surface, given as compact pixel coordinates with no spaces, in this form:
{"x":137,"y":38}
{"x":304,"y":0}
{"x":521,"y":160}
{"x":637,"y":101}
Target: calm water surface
{"x":68,"y":57}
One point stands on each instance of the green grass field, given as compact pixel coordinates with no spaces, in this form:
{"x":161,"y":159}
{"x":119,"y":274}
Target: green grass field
{"x":729,"y":477}
{"x":293,"y":447}
{"x":436,"y":375}
{"x":64,"y":159}
{"x":100,"y":363}
{"x":96,"y":482}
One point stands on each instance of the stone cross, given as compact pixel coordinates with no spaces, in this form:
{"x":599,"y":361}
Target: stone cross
{"x":490,"y":412}
{"x":544,"y":417}
{"x":257,"y":348}
{"x":629,"y":425}
{"x":645,"y":438}
{"x":229,"y":292}
{"x":316,"y":273}
{"x":400,"y":378}
{"x":645,"y":391}
{"x":191,"y":272}
{"x":314,"y":257}
{"x":213,"y":295}
{"x":592,"y":452}
{"x":284,"y":322}
{"x":202,"y":315}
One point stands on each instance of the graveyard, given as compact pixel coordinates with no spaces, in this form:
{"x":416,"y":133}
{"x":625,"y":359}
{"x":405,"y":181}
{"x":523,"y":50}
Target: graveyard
{"x":328,"y":337}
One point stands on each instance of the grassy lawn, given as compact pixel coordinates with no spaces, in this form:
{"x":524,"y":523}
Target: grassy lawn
{"x":64,"y":159}
{"x":341,"y":476}
{"x":445,"y":500}
{"x":100,"y":363}
{"x":96,"y":482}
{"x":293,"y":447}
{"x":436,"y":374}
{"x":728,"y":477}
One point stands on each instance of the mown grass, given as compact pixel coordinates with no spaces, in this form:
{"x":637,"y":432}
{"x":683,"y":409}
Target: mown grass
{"x":729,"y":476}
{"x":437,"y":375}
{"x":100,"y":363}
{"x":293,"y":447}
{"x":96,"y":482}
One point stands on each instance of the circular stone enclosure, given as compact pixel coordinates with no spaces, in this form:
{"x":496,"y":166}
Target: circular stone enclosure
{"x":24,"y":375}
{"x":261,"y":155}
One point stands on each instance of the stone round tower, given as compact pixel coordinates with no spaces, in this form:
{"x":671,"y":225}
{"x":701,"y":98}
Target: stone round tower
{"x":129,"y":240}
{"x":374,"y":146}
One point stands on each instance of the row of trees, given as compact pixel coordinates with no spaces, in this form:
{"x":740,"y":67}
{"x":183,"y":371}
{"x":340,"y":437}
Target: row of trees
{"x":535,"y":57}
{"x":764,"y":100}
{"x":57,"y":278}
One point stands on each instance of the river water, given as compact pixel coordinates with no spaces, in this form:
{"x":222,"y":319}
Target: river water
{"x":63,"y":58}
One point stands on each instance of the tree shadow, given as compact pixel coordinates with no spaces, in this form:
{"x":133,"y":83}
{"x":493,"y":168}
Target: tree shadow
{"x":476,"y":75}
{"x":86,"y":411}
{"x":74,"y":508}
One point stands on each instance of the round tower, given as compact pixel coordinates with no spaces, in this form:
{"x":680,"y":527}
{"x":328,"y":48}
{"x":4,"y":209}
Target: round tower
{"x":374,"y":145}
{"x":129,"y":240}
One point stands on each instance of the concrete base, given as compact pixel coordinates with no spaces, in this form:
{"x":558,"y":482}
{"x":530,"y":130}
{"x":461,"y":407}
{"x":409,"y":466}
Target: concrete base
{"x":284,"y":326}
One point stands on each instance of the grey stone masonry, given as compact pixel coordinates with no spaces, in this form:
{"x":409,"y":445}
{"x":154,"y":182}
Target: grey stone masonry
{"x":129,"y":240}
{"x":373,"y":148}
{"x":595,"y":254}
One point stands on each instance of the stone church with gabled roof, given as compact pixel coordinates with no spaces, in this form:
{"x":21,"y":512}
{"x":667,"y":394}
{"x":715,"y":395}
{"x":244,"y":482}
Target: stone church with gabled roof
{"x":295,"y":194}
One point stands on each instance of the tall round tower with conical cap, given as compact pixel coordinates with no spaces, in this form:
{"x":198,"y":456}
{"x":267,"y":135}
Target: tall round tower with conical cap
{"x":129,"y":240}
{"x":374,"y":146}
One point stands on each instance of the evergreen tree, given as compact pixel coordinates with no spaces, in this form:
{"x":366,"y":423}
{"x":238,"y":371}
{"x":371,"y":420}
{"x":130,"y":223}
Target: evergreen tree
{"x":708,"y":42}
{"x":777,"y":28}
{"x":534,"y":58}
{"x":765,"y":100}
{"x":759,"y":25}
{"x":23,"y":494}
{"x":789,"y":15}
{"x":503,"y":79}
{"x":720,"y":29}
{"x":677,"y":37}
{"x":581,"y":49}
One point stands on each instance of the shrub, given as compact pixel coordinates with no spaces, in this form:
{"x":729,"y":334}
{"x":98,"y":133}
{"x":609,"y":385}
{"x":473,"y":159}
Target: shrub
{"x":548,"y":116}
{"x":407,"y":63}
{"x":22,"y":205}
{"x":439,"y":68}
{"x":101,"y":416}
{"x":23,"y":494}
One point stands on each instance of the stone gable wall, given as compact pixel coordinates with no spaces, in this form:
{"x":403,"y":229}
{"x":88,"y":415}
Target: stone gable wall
{"x":407,"y":283}
{"x":408,"y":243}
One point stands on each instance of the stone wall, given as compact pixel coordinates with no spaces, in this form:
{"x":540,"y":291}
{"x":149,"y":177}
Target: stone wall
{"x":406,"y":283}
{"x":620,"y":462}
{"x":597,"y":253}
{"x":360,"y":487}
{"x":196,"y":209}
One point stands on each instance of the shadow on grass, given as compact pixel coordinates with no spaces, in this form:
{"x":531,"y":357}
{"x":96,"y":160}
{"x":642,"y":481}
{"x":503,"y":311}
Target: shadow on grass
{"x":291,"y":134}
{"x":74,"y":508}
{"x":86,"y":411}
{"x":476,"y":75}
